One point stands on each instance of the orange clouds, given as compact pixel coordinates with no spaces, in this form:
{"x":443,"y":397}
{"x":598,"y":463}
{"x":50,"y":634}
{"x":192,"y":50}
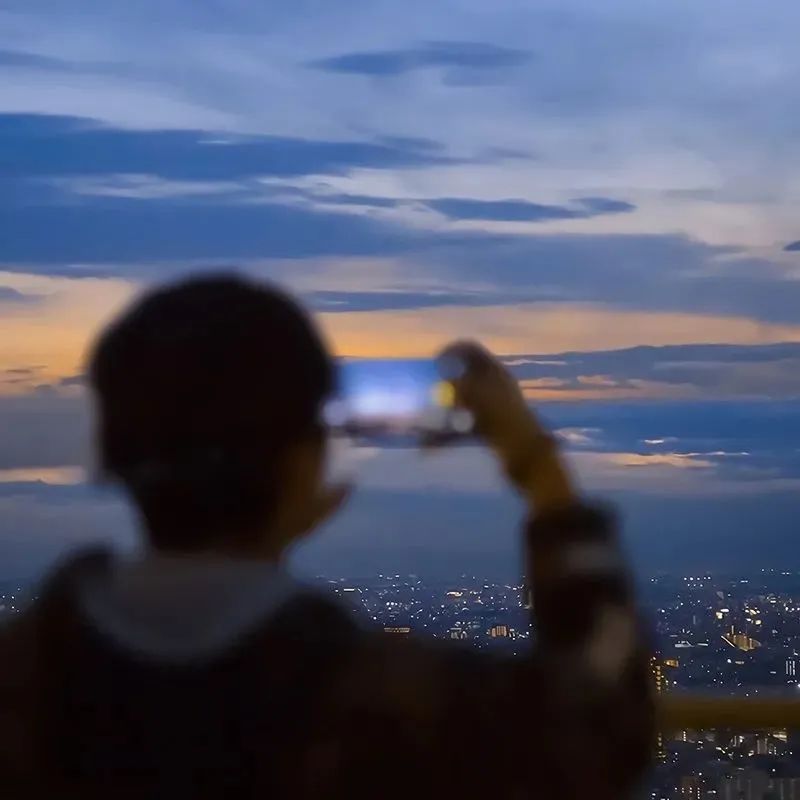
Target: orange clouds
{"x":54,"y":476}
{"x":537,"y":328}
{"x":546,"y":389}
{"x":53,"y":331}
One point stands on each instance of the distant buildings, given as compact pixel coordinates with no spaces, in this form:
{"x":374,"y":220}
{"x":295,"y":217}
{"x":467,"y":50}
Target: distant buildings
{"x":740,"y":640}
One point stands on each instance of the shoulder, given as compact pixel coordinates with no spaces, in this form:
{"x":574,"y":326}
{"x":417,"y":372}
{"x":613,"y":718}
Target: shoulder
{"x":19,"y":667}
{"x":19,"y":645}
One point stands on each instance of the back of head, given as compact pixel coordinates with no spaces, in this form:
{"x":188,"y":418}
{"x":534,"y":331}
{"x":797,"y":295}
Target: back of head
{"x":201,"y":388}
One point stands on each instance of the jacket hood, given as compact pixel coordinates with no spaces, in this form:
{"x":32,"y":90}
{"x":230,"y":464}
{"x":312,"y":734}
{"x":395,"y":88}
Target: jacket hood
{"x":181,"y":608}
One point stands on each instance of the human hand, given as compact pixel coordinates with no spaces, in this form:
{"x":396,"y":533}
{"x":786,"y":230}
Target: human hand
{"x":526,"y":451}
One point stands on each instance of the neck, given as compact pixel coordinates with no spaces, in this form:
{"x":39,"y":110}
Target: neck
{"x":265,"y":548}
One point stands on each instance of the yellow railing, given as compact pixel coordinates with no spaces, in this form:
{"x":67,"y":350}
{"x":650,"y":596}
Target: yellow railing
{"x":680,"y":711}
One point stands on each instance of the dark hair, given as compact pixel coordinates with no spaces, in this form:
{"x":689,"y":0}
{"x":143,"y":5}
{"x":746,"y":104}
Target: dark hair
{"x":201,"y":386}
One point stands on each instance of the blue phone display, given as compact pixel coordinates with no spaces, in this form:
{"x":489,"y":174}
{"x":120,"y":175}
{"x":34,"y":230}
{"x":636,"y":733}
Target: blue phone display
{"x":394,"y":397}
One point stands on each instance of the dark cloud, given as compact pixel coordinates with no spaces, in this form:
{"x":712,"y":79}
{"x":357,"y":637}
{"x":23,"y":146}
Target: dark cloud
{"x":472,"y":56}
{"x":492,"y":154}
{"x":13,"y":58}
{"x":10,"y":295}
{"x":525,"y":211}
{"x":746,"y":443}
{"x":332,"y":301}
{"x":23,"y":60}
{"x":47,"y":146}
{"x":114,"y":230}
{"x":147,"y":239}
{"x":722,"y":371}
{"x":53,"y":227}
{"x":415,"y":143}
{"x":793,"y":247}
{"x":505,"y":210}
{"x":73,"y":380}
{"x":356,"y":200}
{"x":627,"y":270}
{"x":156,"y":237}
{"x":605,"y":205}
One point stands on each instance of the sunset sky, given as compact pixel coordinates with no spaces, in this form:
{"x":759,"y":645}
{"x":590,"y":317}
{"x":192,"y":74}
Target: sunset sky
{"x":606,"y":193}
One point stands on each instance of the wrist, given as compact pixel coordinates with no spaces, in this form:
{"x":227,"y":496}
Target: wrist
{"x":523,"y":458}
{"x":535,"y":468}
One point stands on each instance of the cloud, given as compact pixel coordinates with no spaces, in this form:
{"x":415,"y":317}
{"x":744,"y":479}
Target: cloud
{"x":21,"y":61}
{"x":578,"y":437}
{"x":48,"y":146}
{"x":73,"y":380}
{"x":690,"y":371}
{"x":53,"y":334}
{"x":163,"y":198}
{"x":792,"y":247}
{"x":554,"y":327}
{"x":342,"y":301}
{"x":12,"y":58}
{"x":140,"y":231}
{"x":525,"y":211}
{"x":470,"y":56}
{"x":11,"y":295}
{"x":53,"y":476}
{"x":676,"y":460}
{"x":605,"y":205}
{"x":359,"y":200}
{"x":546,"y":362}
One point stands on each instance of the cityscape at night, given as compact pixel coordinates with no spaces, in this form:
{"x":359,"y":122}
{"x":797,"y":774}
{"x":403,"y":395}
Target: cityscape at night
{"x":726,"y":635}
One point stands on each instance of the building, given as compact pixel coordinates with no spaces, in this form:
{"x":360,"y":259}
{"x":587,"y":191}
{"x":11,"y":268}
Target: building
{"x":747,"y":785}
{"x":657,"y":670}
{"x":740,"y":640}
{"x":757,"y":785}
{"x":691,"y":787}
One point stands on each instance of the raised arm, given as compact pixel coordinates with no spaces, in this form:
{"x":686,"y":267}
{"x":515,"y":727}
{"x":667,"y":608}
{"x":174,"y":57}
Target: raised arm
{"x":587,"y":683}
{"x":573,"y":719}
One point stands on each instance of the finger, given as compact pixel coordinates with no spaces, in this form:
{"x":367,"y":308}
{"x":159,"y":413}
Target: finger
{"x":465,"y":357}
{"x":466,"y":365}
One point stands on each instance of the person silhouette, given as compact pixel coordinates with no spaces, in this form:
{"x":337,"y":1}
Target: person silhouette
{"x":201,"y":668}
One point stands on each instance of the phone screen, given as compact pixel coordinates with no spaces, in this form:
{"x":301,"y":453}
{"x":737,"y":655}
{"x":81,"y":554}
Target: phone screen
{"x":395,"y":397}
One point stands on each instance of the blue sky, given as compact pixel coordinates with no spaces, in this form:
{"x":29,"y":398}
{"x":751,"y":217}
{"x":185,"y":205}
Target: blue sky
{"x":606,"y":193}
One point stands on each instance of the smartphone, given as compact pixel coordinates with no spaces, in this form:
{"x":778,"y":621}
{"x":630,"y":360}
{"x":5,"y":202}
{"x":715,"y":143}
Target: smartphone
{"x":396,"y":399}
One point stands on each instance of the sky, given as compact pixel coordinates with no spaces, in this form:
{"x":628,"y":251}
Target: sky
{"x":604,"y":193}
